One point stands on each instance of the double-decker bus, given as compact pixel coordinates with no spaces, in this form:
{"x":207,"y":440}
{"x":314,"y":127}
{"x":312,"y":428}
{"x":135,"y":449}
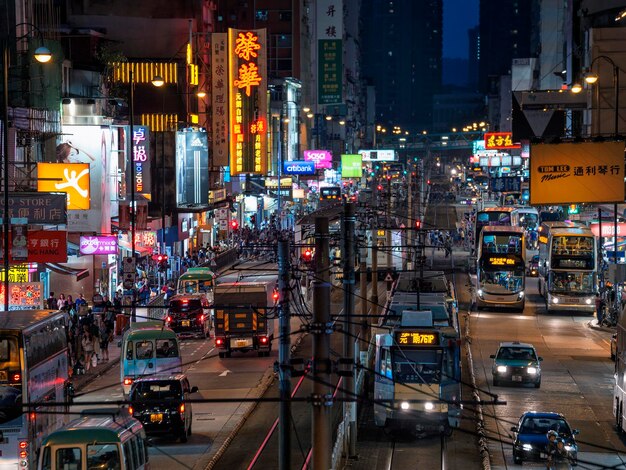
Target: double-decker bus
{"x":568,"y":276}
{"x":330,"y":195}
{"x":492,"y":216}
{"x":501,"y":268}
{"x":619,"y":387}
{"x":34,"y":369}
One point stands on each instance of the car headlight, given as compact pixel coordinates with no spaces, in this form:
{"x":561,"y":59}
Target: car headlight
{"x":404,"y":405}
{"x":555,"y":300}
{"x":527,"y":447}
{"x":588,"y":301}
{"x":532,"y":370}
{"x":429,"y":405}
{"x":501,"y":369}
{"x":480,"y":292}
{"x":520,"y":296}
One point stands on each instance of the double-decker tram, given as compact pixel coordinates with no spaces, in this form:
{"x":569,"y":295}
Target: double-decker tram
{"x":501,"y":268}
{"x":34,"y":369}
{"x":568,"y":277}
{"x":417,"y":384}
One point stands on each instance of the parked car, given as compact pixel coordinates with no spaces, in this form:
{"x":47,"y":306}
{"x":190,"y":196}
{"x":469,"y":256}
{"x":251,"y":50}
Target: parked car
{"x":516,"y":362}
{"x":160,"y":402}
{"x":533,"y":266}
{"x":530,"y":436}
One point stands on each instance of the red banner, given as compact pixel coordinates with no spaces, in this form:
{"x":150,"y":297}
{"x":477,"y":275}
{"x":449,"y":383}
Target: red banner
{"x":47,"y":246}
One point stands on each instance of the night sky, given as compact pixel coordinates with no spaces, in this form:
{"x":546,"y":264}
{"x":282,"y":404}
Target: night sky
{"x":458,"y":17}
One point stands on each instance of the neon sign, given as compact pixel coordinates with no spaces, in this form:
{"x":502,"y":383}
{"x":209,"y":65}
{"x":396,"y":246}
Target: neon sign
{"x":500,"y":140}
{"x":417,"y":338}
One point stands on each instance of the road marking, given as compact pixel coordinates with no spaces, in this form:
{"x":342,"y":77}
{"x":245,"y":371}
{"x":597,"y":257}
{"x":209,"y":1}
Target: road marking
{"x":225,"y":373}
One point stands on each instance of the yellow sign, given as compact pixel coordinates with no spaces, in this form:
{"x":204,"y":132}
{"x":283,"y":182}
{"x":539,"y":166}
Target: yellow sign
{"x":381,"y":233}
{"x":501,"y":261}
{"x":417,"y":338}
{"x":69,"y":178}
{"x":573,"y":173}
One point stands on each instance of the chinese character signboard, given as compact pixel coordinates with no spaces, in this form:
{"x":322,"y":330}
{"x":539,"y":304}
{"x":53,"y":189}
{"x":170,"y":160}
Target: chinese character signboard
{"x":192,"y":168}
{"x":23,"y":296}
{"x":572,"y":173}
{"x":321,"y":158}
{"x":505,"y":184}
{"x":351,"y":166}
{"x":98,"y":245}
{"x":329,"y":51}
{"x":19,"y":242}
{"x":247,"y":79}
{"x":219,"y":98}
{"x":69,"y":178}
{"x":47,"y":246}
{"x":38,"y":208}
{"x":378,"y":155}
{"x":141,"y":159}
{"x":499,"y":140}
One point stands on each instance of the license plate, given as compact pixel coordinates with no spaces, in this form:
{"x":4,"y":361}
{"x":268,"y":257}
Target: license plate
{"x":185,"y":322}
{"x":517,"y":378}
{"x":241,"y":343}
{"x":156,"y":417}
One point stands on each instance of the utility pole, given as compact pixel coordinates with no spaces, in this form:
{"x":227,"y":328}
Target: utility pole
{"x":365,"y":336}
{"x":374,"y":298}
{"x":322,"y":397}
{"x":409,"y":219}
{"x":284,"y":370}
{"x":349,"y":339}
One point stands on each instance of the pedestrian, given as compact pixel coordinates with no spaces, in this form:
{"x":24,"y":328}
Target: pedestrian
{"x":69,"y":304}
{"x":106,"y":336}
{"x":80,"y":304}
{"x":51,"y":302}
{"x":94,"y":330}
{"x":87,"y":344}
{"x":61,"y":302}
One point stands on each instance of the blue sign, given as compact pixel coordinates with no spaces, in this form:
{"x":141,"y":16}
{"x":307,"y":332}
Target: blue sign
{"x":298,"y":168}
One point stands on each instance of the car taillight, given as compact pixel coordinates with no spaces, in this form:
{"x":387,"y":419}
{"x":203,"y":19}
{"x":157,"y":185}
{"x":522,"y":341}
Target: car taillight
{"x":23,"y":445}
{"x":263,"y":339}
{"x":219,"y":341}
{"x":181,"y":409}
{"x":17,"y":377}
{"x":128,"y":381}
{"x":202,"y":318}
{"x":168,"y":319}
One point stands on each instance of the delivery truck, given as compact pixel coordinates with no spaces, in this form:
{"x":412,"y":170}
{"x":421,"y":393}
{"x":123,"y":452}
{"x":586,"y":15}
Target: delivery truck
{"x":244,"y":317}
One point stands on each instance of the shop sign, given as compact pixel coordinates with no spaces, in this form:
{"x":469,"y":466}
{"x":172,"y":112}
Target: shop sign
{"x":47,"y":246}
{"x":321,"y":158}
{"x":272,"y":183}
{"x":505,"y":184}
{"x":141,"y":159}
{"x":329,"y":14}
{"x":298,"y":168}
{"x":608,"y":229}
{"x":378,"y":155}
{"x":219,"y":98}
{"x":351,"y":166}
{"x":192,"y":168}
{"x":247,"y":78}
{"x":23,"y":295}
{"x":500,"y":140}
{"x":574,"y":173}
{"x":98,"y":245}
{"x":69,"y":178}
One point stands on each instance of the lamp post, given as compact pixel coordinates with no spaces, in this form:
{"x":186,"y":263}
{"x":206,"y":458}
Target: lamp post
{"x":592,"y":78}
{"x":42,"y":55}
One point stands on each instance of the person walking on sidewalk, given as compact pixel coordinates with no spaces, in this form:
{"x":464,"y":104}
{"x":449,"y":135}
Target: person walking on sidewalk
{"x":106,"y":336}
{"x":87,"y":343}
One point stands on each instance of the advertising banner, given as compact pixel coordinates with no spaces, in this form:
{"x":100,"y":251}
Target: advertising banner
{"x":378,"y":155}
{"x":38,"y":208}
{"x":99,"y":147}
{"x":298,"y":168}
{"x":505,"y":184}
{"x":47,"y":246}
{"x":141,"y":159}
{"x":18,"y":241}
{"x":192,"y":168}
{"x":321,"y":158}
{"x":329,"y":32}
{"x":500,"y":140}
{"x":247,"y":78}
{"x":98,"y":245}
{"x":571,"y":173}
{"x":69,"y":178}
{"x":608,"y":229}
{"x":351,"y":166}
{"x":219,"y":98}
{"x":23,"y":295}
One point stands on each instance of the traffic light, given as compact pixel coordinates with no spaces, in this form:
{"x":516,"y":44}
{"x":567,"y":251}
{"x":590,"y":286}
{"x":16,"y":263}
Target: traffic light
{"x":275,"y":295}
{"x":380,"y":187}
{"x":418,"y":224}
{"x":234,"y":225}
{"x":162,"y":263}
{"x":428,"y":182}
{"x":307,"y":256}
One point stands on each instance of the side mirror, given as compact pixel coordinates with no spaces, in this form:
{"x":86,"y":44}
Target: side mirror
{"x":493,"y":356}
{"x":576,"y":431}
{"x":540,"y":358}
{"x":194,"y":389}
{"x":514,"y":429}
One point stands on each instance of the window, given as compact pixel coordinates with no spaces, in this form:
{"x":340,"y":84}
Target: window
{"x":128,"y":459}
{"x":135,"y":451}
{"x":143,"y":456}
{"x":104,"y":456}
{"x":261,"y":15}
{"x":144,"y":350}
{"x":166,"y":348}
{"x":129,"y":351}
{"x":46,"y":463}
{"x":69,"y":458}
{"x":284,"y":15}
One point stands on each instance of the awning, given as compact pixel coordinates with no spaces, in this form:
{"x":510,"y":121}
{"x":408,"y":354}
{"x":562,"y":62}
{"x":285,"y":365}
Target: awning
{"x":67,"y":270}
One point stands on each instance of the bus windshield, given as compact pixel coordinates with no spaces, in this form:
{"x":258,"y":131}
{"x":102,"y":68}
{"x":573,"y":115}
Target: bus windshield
{"x":502,"y":282}
{"x":195,"y":286}
{"x":502,"y":243}
{"x":417,"y":365}
{"x":529,"y":220}
{"x":571,"y":283}
{"x":572,"y":245}
{"x":10,"y":370}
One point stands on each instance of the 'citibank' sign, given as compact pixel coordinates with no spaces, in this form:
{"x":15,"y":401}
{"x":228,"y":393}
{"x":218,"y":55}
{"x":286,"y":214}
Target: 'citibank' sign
{"x":298,"y":168}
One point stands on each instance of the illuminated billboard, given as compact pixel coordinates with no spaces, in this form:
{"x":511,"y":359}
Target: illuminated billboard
{"x":321,"y":158}
{"x":141,"y":159}
{"x":571,"y":173}
{"x":351,"y":166}
{"x":69,"y":178}
{"x":247,"y":78}
{"x":192,"y":168}
{"x":500,"y":140}
{"x":378,"y":155}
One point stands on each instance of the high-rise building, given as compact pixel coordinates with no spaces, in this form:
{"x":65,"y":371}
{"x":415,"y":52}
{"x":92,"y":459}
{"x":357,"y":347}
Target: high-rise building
{"x":473,"y":57}
{"x":402,"y":48}
{"x":505,"y":34}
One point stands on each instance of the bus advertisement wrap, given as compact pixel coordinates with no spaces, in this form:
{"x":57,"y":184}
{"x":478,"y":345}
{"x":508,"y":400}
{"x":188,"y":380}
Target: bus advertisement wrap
{"x":569,"y":173}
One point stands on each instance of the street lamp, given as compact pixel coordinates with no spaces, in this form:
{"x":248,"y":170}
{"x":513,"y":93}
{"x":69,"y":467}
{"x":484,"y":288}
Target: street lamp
{"x":592,"y":78}
{"x":42,"y":55}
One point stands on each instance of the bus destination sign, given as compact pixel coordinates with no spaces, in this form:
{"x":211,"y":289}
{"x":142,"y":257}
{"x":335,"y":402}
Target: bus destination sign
{"x":417,"y":338}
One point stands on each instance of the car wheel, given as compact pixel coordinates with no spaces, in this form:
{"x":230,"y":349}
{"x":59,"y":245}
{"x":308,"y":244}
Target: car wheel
{"x":183,"y":438}
{"x":221,"y":355}
{"x":517,"y":459}
{"x":227,"y":354}
{"x":261,"y":353}
{"x":538,"y":384}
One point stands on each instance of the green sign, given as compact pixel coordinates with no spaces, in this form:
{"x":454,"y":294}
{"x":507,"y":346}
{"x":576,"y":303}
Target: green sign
{"x":351,"y":166}
{"x":330,"y":71}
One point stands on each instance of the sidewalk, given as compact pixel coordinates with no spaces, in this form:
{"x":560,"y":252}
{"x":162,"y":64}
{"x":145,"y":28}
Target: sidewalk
{"x":81,"y":381}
